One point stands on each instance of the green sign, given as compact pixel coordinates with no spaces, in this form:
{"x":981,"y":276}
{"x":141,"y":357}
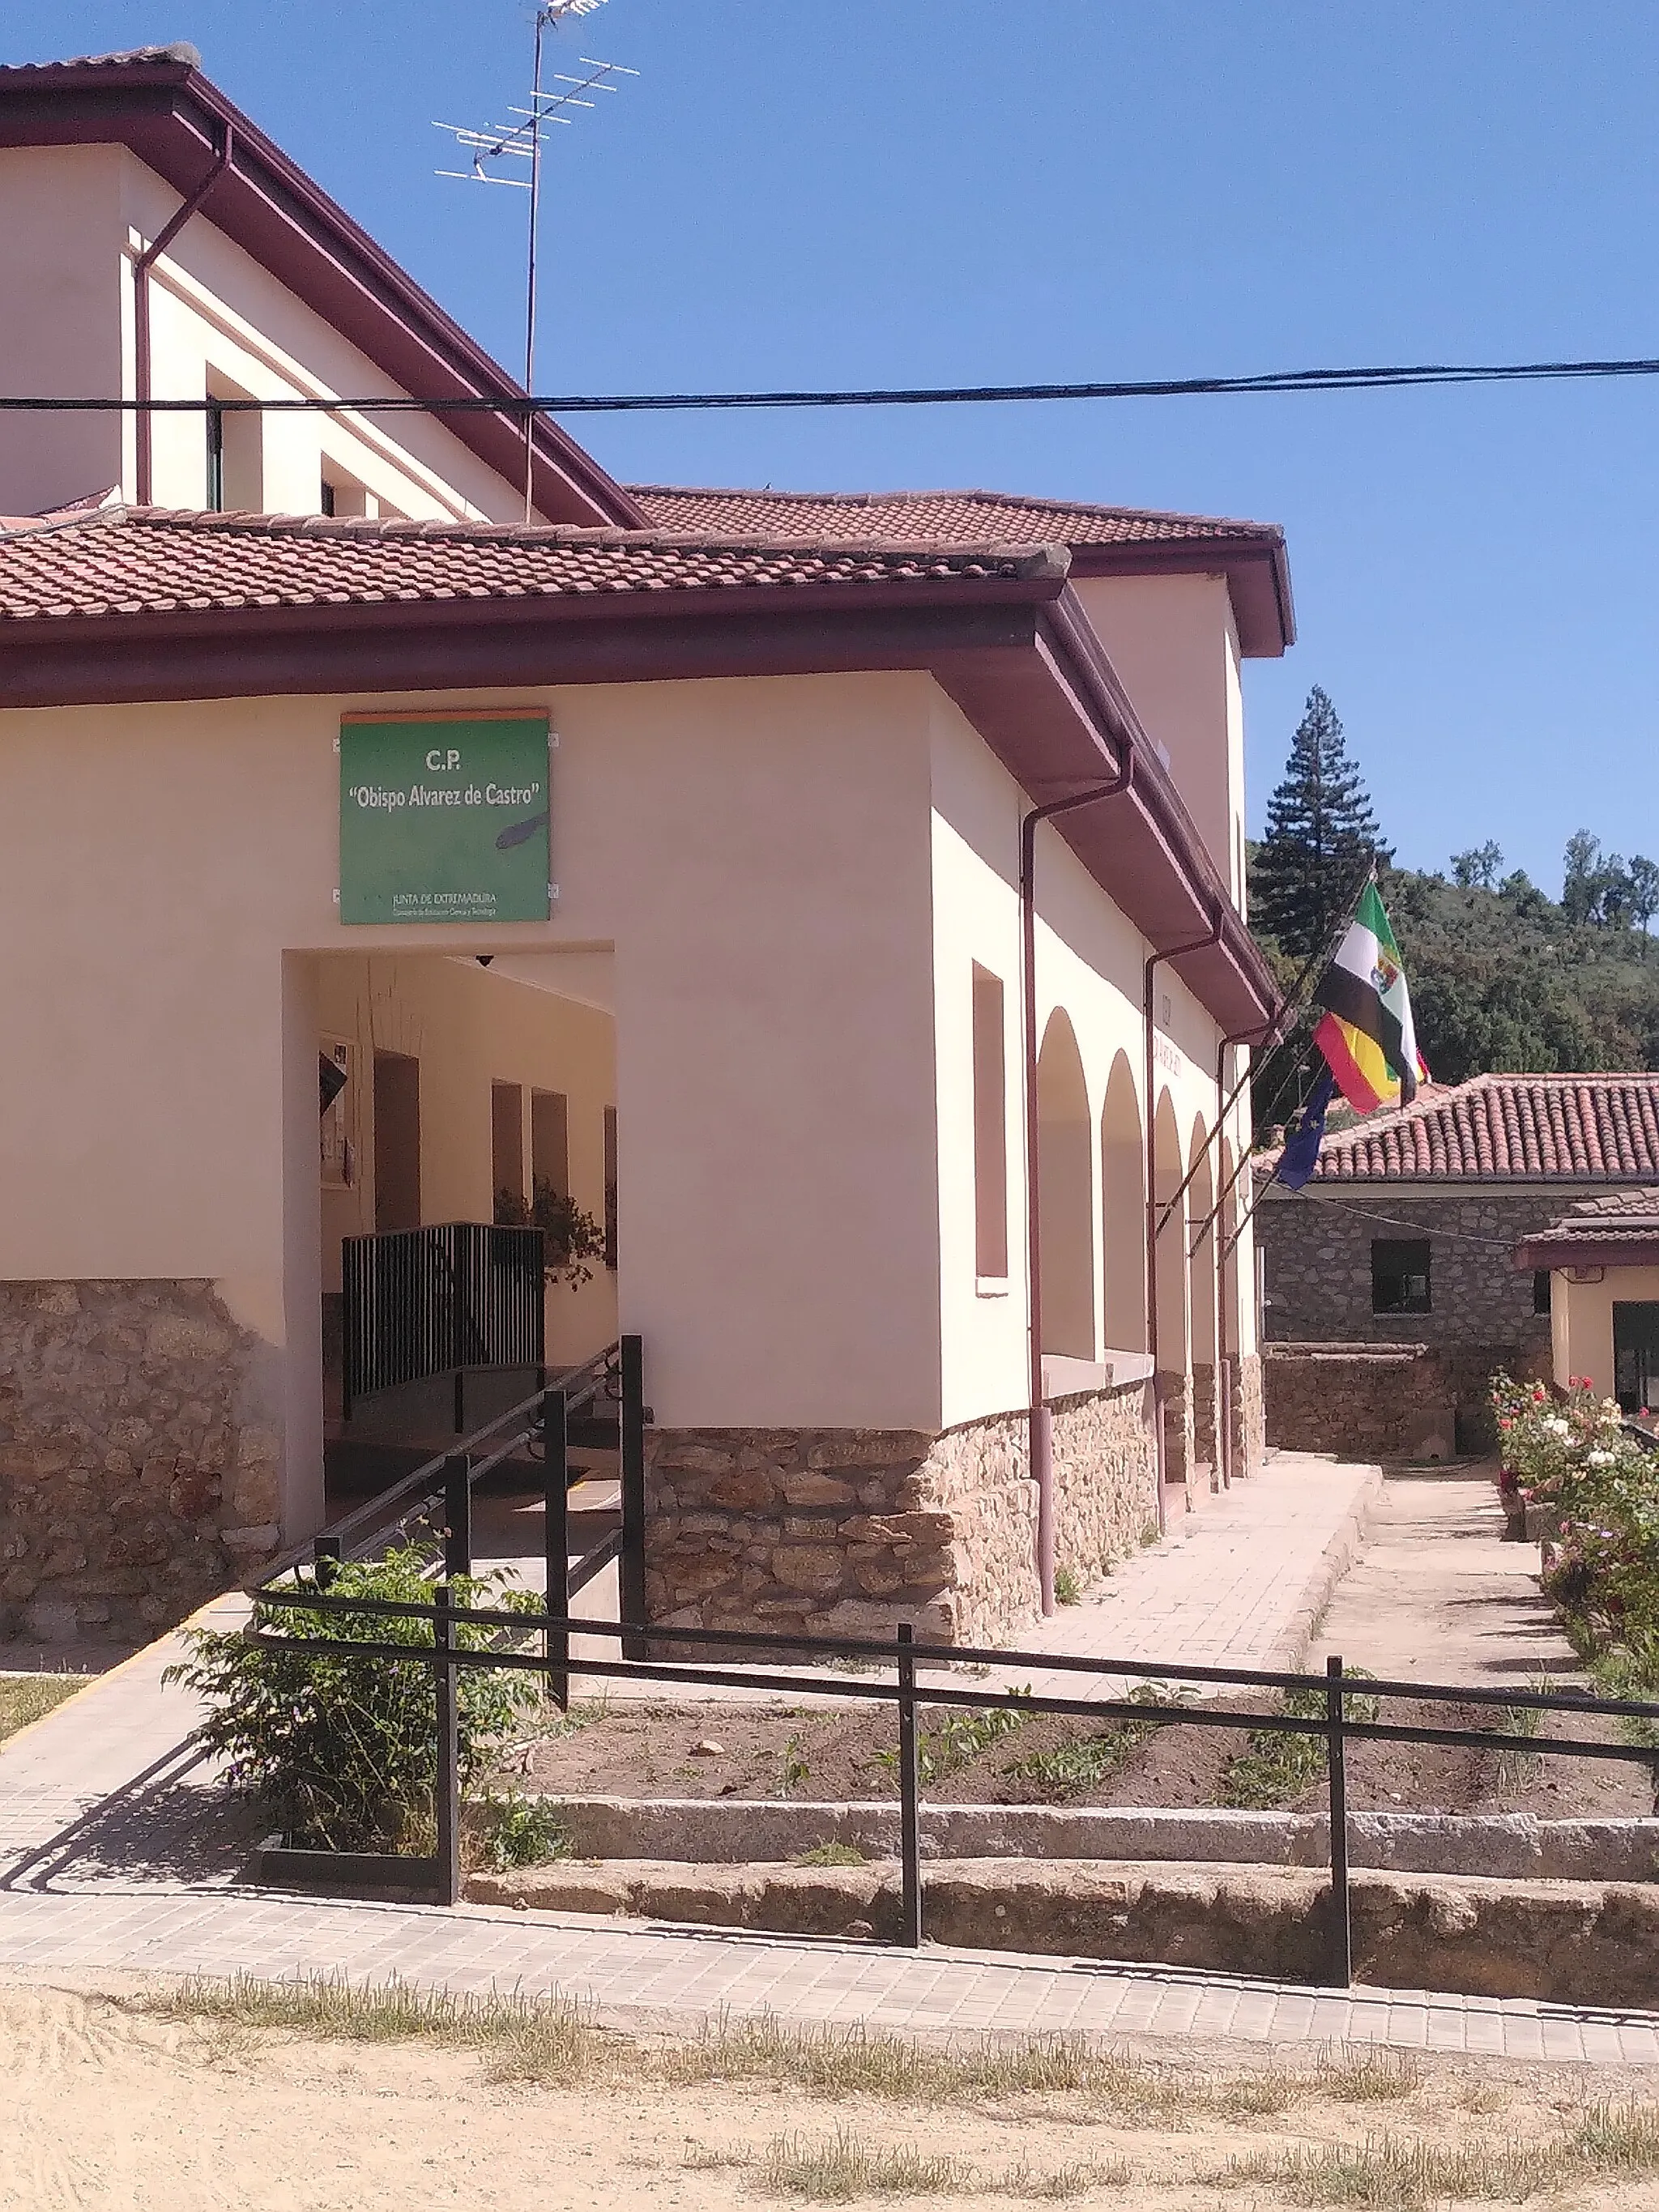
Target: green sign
{"x":444,"y":821}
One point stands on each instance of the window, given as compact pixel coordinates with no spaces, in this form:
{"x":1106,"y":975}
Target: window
{"x":550,"y":1141}
{"x":507,"y":1150}
{"x":341,"y":494}
{"x":328,"y":497}
{"x":235,"y":452}
{"x":990,"y":1130}
{"x":396,"y":1141}
{"x":610,"y":1186}
{"x":1540,"y":1290}
{"x":1400,"y":1275}
{"x":216,"y":461}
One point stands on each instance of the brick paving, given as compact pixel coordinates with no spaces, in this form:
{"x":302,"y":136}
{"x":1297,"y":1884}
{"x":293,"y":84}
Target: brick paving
{"x":118,"y":1857}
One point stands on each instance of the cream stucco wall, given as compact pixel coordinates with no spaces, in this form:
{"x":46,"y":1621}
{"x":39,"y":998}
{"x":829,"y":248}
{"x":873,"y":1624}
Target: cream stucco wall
{"x":1090,"y":969}
{"x":73,"y":220}
{"x":1581,"y":1321}
{"x":1174,"y":643}
{"x":778,"y":887}
{"x":755,"y":853}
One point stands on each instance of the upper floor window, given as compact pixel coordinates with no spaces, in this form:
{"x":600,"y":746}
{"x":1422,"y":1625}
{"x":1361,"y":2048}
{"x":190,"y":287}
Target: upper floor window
{"x":235,"y":452}
{"x":1400,"y":1275}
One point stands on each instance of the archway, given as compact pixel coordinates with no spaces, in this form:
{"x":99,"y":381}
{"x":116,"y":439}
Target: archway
{"x":1173,"y":1378}
{"x":1065,"y":1196}
{"x":1123,"y":1211}
{"x":1202,"y":1301}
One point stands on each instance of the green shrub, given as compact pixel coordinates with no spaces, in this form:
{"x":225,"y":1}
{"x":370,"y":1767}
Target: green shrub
{"x":520,"y":1831}
{"x":344,"y":1751}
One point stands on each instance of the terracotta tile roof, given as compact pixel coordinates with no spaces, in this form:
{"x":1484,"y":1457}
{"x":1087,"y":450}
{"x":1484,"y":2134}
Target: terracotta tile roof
{"x":944,"y":517}
{"x":1574,"y":1128}
{"x":180,"y":53}
{"x":1618,"y":1229}
{"x":151,"y":560}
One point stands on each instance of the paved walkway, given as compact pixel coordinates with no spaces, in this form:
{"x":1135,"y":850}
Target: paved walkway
{"x":116,"y":1856}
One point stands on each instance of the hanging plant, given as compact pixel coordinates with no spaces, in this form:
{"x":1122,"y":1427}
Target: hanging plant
{"x":572,"y":1240}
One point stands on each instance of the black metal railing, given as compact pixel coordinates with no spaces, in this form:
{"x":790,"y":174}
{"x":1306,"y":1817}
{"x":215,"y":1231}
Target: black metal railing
{"x":602,"y":1400}
{"x":903,"y":1654}
{"x":418,"y":1301}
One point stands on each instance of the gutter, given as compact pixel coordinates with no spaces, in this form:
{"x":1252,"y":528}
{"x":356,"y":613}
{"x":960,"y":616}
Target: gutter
{"x":141,"y":269}
{"x":1040,"y":1420}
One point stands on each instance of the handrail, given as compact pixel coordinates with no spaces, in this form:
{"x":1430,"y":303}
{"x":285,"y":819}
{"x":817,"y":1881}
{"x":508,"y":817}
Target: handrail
{"x":427,"y":1483}
{"x":1332,"y":1692}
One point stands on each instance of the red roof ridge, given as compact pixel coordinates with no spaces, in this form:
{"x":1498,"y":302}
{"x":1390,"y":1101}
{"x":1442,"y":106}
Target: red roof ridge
{"x":1032,"y":501}
{"x":1030,"y":559}
{"x":1569,"y":1125}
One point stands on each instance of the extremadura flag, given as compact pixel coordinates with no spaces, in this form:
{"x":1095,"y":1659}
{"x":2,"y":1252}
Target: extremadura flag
{"x":1366,"y":1033}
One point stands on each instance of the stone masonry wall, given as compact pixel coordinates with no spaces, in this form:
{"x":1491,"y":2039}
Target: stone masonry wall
{"x":138,"y":1477}
{"x":1204,"y":1428}
{"x":847,"y":1531}
{"x":1175,"y":1397}
{"x":1316,"y":1249}
{"x":1396,"y":1402}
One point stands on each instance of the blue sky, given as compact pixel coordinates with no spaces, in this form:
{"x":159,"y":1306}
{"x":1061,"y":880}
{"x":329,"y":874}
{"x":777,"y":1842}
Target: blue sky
{"x":873,"y":191}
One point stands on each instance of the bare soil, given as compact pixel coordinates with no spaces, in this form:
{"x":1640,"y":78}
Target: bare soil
{"x":751,"y":1752}
{"x":105,"y":2110}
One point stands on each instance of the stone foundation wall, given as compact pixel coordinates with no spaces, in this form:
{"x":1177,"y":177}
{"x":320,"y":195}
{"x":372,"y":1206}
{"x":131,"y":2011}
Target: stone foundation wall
{"x":1399,"y":1401}
{"x":137,"y":1475}
{"x":1175,"y":1398}
{"x":847,"y":1531}
{"x":1204,"y":1424}
{"x":1246,"y":1415}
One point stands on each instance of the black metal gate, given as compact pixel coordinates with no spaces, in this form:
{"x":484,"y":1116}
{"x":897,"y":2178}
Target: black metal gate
{"x":420,"y":1301}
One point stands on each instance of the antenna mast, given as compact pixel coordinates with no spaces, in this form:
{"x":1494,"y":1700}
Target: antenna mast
{"x":522,"y":142}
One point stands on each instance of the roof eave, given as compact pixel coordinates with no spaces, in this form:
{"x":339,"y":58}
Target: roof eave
{"x":1257,"y":573}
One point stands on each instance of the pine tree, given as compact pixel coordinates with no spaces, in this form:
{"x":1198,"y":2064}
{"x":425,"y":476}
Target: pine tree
{"x":1321,"y":831}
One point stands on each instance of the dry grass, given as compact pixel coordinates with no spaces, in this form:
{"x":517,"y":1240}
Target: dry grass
{"x":1389,"y":2174}
{"x":25,"y":1698}
{"x":846,"y":2168}
{"x":552,"y":2044}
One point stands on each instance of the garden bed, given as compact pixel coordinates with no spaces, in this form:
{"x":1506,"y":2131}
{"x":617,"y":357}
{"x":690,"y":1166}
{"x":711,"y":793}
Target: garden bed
{"x":750,"y":1753}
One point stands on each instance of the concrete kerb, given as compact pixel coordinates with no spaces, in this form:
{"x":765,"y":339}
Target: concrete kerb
{"x":728,"y":1832}
{"x":1347,"y":1542}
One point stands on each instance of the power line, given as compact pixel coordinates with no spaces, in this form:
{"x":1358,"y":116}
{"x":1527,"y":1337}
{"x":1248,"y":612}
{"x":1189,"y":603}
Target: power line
{"x":1411,"y":376}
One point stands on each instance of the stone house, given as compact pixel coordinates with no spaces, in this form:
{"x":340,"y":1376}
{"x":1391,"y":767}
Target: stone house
{"x":1391,"y":1289}
{"x":686,"y":851}
{"x":1602,"y":1256}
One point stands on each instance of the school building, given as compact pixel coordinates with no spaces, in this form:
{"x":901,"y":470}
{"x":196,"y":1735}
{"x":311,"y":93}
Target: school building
{"x":831,"y":906}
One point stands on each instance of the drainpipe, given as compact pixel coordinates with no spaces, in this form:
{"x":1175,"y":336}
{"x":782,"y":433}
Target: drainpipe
{"x":1222,"y":1107}
{"x":141,"y":269}
{"x":1174,"y":952}
{"x":1041,"y":1423}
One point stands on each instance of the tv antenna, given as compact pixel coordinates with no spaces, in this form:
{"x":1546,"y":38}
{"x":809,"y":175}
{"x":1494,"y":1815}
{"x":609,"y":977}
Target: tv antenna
{"x":556,"y":102}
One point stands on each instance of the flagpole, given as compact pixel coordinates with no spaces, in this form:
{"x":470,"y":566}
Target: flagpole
{"x":1322,"y":959}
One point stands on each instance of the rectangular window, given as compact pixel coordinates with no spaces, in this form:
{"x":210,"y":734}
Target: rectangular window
{"x":235,"y":452}
{"x":610,"y":1186}
{"x":550,"y":1141}
{"x":1540,"y":1290}
{"x":216,"y":461}
{"x":1400,"y":1275}
{"x":396,"y":1141}
{"x":990,"y":1129}
{"x":507,"y":1150}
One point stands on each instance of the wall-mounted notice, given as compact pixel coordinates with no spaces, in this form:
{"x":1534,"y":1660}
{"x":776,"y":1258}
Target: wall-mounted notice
{"x":444,"y":821}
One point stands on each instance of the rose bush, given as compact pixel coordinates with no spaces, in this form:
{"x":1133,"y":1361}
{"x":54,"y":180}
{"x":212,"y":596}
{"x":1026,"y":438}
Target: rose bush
{"x":1572,"y":1456}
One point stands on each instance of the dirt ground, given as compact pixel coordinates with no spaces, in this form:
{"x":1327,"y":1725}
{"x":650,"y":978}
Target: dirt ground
{"x":753,"y":1752}
{"x":108,"y":2109}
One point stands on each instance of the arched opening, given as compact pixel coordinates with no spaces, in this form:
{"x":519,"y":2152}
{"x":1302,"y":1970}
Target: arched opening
{"x":1201,"y":1299}
{"x":1066,"y":1194}
{"x":1123,"y":1211}
{"x":1174,"y":1380}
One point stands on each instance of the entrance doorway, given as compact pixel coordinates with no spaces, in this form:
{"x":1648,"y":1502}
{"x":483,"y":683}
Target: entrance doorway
{"x":1636,"y":1354}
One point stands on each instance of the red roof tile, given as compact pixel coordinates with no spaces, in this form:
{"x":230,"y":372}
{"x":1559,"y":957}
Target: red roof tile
{"x":152,"y":560}
{"x":1574,"y":1128}
{"x":945,"y":517}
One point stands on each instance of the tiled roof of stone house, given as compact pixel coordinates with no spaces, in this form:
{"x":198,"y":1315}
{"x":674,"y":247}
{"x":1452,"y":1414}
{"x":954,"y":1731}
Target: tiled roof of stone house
{"x":944,"y":517}
{"x":1506,"y":1128}
{"x":1613,"y":1227}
